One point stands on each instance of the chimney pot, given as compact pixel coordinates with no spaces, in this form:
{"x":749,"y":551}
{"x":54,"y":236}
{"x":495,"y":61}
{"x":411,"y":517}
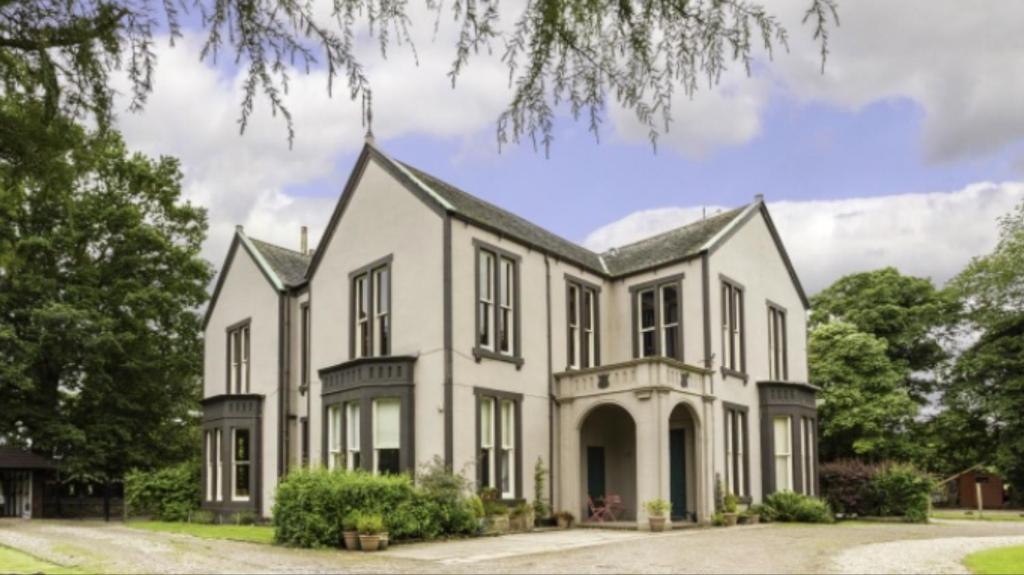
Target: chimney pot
{"x":304,"y":241}
{"x":759,"y":198}
{"x":239,"y":228}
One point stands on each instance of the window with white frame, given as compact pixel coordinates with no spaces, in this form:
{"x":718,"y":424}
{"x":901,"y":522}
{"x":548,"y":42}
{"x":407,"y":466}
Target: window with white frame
{"x":733,"y":353}
{"x":386,"y":441}
{"x":736,"y":463}
{"x":485,"y":279}
{"x":335,"y":454}
{"x":508,"y":447}
{"x":777,"y":361}
{"x":783,"y":453}
{"x":808,"y":449}
{"x":647,"y":324}
{"x":670,"y":321}
{"x":352,"y":437}
{"x":487,"y":427}
{"x":219,"y":483}
{"x":241,"y":463}
{"x":238,"y":359}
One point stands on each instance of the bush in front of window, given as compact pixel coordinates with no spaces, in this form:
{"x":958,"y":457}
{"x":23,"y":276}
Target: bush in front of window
{"x":790,"y":507}
{"x":878,"y":490}
{"x":311,"y":505}
{"x":168,"y":494}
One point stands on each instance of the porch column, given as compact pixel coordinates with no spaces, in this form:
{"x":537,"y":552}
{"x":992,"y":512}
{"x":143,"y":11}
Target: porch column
{"x":651,"y":459}
{"x":707,"y":464}
{"x":569,"y":461}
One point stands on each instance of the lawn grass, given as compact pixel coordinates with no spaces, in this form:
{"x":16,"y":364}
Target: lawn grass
{"x":14,"y":561}
{"x":247,"y":533}
{"x":1001,"y":561}
{"x":986,"y":516}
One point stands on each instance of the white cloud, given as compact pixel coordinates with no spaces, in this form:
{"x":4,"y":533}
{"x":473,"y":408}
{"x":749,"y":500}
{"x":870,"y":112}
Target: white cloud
{"x":929,"y":235}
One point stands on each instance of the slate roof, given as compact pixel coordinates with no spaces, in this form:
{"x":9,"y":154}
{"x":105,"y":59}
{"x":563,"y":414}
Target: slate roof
{"x":673,"y":245}
{"x":670,"y":246}
{"x":289,"y":265}
{"x":17,"y":458}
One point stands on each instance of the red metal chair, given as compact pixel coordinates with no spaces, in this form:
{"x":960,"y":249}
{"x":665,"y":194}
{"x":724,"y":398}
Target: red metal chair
{"x":597,"y":512}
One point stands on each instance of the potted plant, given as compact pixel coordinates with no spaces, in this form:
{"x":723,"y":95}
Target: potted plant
{"x":752,"y":515}
{"x":371,"y":529}
{"x":565,"y":519}
{"x":656,"y":510}
{"x":729,"y":505}
{"x":350,"y":530}
{"x":521,"y":517}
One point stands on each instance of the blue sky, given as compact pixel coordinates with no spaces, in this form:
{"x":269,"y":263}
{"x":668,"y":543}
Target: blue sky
{"x":904,"y":152}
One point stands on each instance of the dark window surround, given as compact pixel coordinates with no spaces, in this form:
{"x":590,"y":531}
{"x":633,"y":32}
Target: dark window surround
{"x":582,"y":286}
{"x":517,"y":399}
{"x":368,"y":269}
{"x":745,"y":411}
{"x":304,"y":325}
{"x":364,"y":390}
{"x":657,"y":285}
{"x":784,"y":342}
{"x":479,"y":352}
{"x":740,"y":373}
{"x":227,"y":412}
{"x":230,"y":331}
{"x":793,"y":400}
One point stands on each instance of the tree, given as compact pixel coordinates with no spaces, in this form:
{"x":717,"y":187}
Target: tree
{"x":100,"y":280}
{"x":558,"y":52}
{"x":865,"y":410}
{"x":909,"y":313}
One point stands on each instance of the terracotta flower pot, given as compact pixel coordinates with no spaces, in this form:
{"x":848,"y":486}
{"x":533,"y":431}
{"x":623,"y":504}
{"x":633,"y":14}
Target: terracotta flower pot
{"x":657,"y":524}
{"x":369,"y":542}
{"x":731,"y":518}
{"x":351,"y":539}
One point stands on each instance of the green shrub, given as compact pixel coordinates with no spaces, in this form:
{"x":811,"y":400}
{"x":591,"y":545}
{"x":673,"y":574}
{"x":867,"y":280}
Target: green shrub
{"x":540,"y":507}
{"x":730,"y":502}
{"x":903,"y":491}
{"x":657,"y":507}
{"x":307,"y":512}
{"x":245,"y":518}
{"x":350,"y":521}
{"x":203,"y":517}
{"x":370,"y":524}
{"x":495,"y":508}
{"x":787,"y":506}
{"x":168,"y":494}
{"x":844,"y":485}
{"x":477,"y":505}
{"x":718,"y":520}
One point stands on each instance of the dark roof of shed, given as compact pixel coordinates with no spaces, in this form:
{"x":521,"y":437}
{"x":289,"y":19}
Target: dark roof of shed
{"x":289,"y":265}
{"x":17,"y":458}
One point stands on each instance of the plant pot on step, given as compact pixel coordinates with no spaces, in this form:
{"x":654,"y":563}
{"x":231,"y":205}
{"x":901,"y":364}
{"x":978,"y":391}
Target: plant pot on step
{"x":385,"y":540}
{"x":369,"y":542}
{"x":351,"y":539}
{"x":731,"y":519}
{"x":657,"y":524}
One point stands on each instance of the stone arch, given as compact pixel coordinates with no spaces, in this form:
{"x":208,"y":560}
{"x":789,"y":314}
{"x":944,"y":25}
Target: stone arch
{"x":608,"y":456}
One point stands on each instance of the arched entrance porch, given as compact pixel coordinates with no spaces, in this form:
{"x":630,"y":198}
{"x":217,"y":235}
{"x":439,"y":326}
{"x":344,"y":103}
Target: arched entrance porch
{"x":608,"y":459}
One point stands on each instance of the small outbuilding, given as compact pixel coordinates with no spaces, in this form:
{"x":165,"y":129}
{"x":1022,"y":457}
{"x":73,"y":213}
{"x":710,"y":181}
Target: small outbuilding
{"x":22,"y":478}
{"x":961,"y":490}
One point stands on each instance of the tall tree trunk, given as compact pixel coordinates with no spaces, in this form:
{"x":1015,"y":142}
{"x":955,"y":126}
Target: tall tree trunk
{"x":106,"y":500}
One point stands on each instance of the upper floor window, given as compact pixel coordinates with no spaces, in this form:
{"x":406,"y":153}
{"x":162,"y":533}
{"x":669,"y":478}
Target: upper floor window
{"x":582,"y":323}
{"x":657,"y":317}
{"x":497,"y":303}
{"x":733,"y":344}
{"x":371,"y":310}
{"x":238,"y":358}
{"x":778,"y":363}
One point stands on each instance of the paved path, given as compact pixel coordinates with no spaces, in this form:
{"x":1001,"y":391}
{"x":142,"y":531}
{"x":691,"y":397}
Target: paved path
{"x":115,"y":548}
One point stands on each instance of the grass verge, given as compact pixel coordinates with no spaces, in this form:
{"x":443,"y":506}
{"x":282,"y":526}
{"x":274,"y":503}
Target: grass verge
{"x":18,"y":562}
{"x":1000,"y":561}
{"x":248,"y":533}
{"x":973,"y":515}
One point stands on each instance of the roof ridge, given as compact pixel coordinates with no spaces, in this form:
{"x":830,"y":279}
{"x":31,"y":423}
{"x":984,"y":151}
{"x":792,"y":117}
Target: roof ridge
{"x":280,"y":247}
{"x":675,"y":229}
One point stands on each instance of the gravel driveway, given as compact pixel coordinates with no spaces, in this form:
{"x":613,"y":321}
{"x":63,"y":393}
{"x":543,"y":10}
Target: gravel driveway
{"x":115,"y":548}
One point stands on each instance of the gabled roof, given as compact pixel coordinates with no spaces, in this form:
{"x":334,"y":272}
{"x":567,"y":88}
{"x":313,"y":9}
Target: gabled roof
{"x":283,"y":268}
{"x":674,"y":245}
{"x":17,"y":458}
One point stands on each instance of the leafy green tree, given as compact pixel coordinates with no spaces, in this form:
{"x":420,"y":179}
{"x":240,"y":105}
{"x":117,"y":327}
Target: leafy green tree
{"x":558,"y":52}
{"x":100,"y":279}
{"x":865,"y":410}
{"x":909,"y":313}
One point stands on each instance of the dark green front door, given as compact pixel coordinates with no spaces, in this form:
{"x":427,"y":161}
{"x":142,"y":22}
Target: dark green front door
{"x":677,"y":471}
{"x":595,"y":472}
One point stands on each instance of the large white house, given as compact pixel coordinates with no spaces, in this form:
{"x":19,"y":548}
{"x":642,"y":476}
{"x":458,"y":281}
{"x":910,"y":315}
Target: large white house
{"x":430,"y":323}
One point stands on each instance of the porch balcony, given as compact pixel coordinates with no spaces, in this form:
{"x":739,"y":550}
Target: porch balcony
{"x":638,"y":430}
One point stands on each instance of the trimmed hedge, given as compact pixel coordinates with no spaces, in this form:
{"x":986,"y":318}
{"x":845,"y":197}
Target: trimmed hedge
{"x":168,"y":494}
{"x":311,"y":506}
{"x":883,"y":490}
{"x":787,"y":506}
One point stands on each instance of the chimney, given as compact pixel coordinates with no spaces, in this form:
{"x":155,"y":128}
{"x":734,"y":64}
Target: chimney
{"x":304,"y":241}
{"x":239,"y":229}
{"x":759,"y":198}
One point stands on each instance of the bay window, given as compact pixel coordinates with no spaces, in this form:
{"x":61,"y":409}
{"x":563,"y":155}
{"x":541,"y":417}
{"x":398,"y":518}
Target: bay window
{"x":335,"y":456}
{"x":218,"y":482}
{"x":807,"y":450}
{"x":386,"y":440}
{"x":783,"y":453}
{"x":352,"y":458}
